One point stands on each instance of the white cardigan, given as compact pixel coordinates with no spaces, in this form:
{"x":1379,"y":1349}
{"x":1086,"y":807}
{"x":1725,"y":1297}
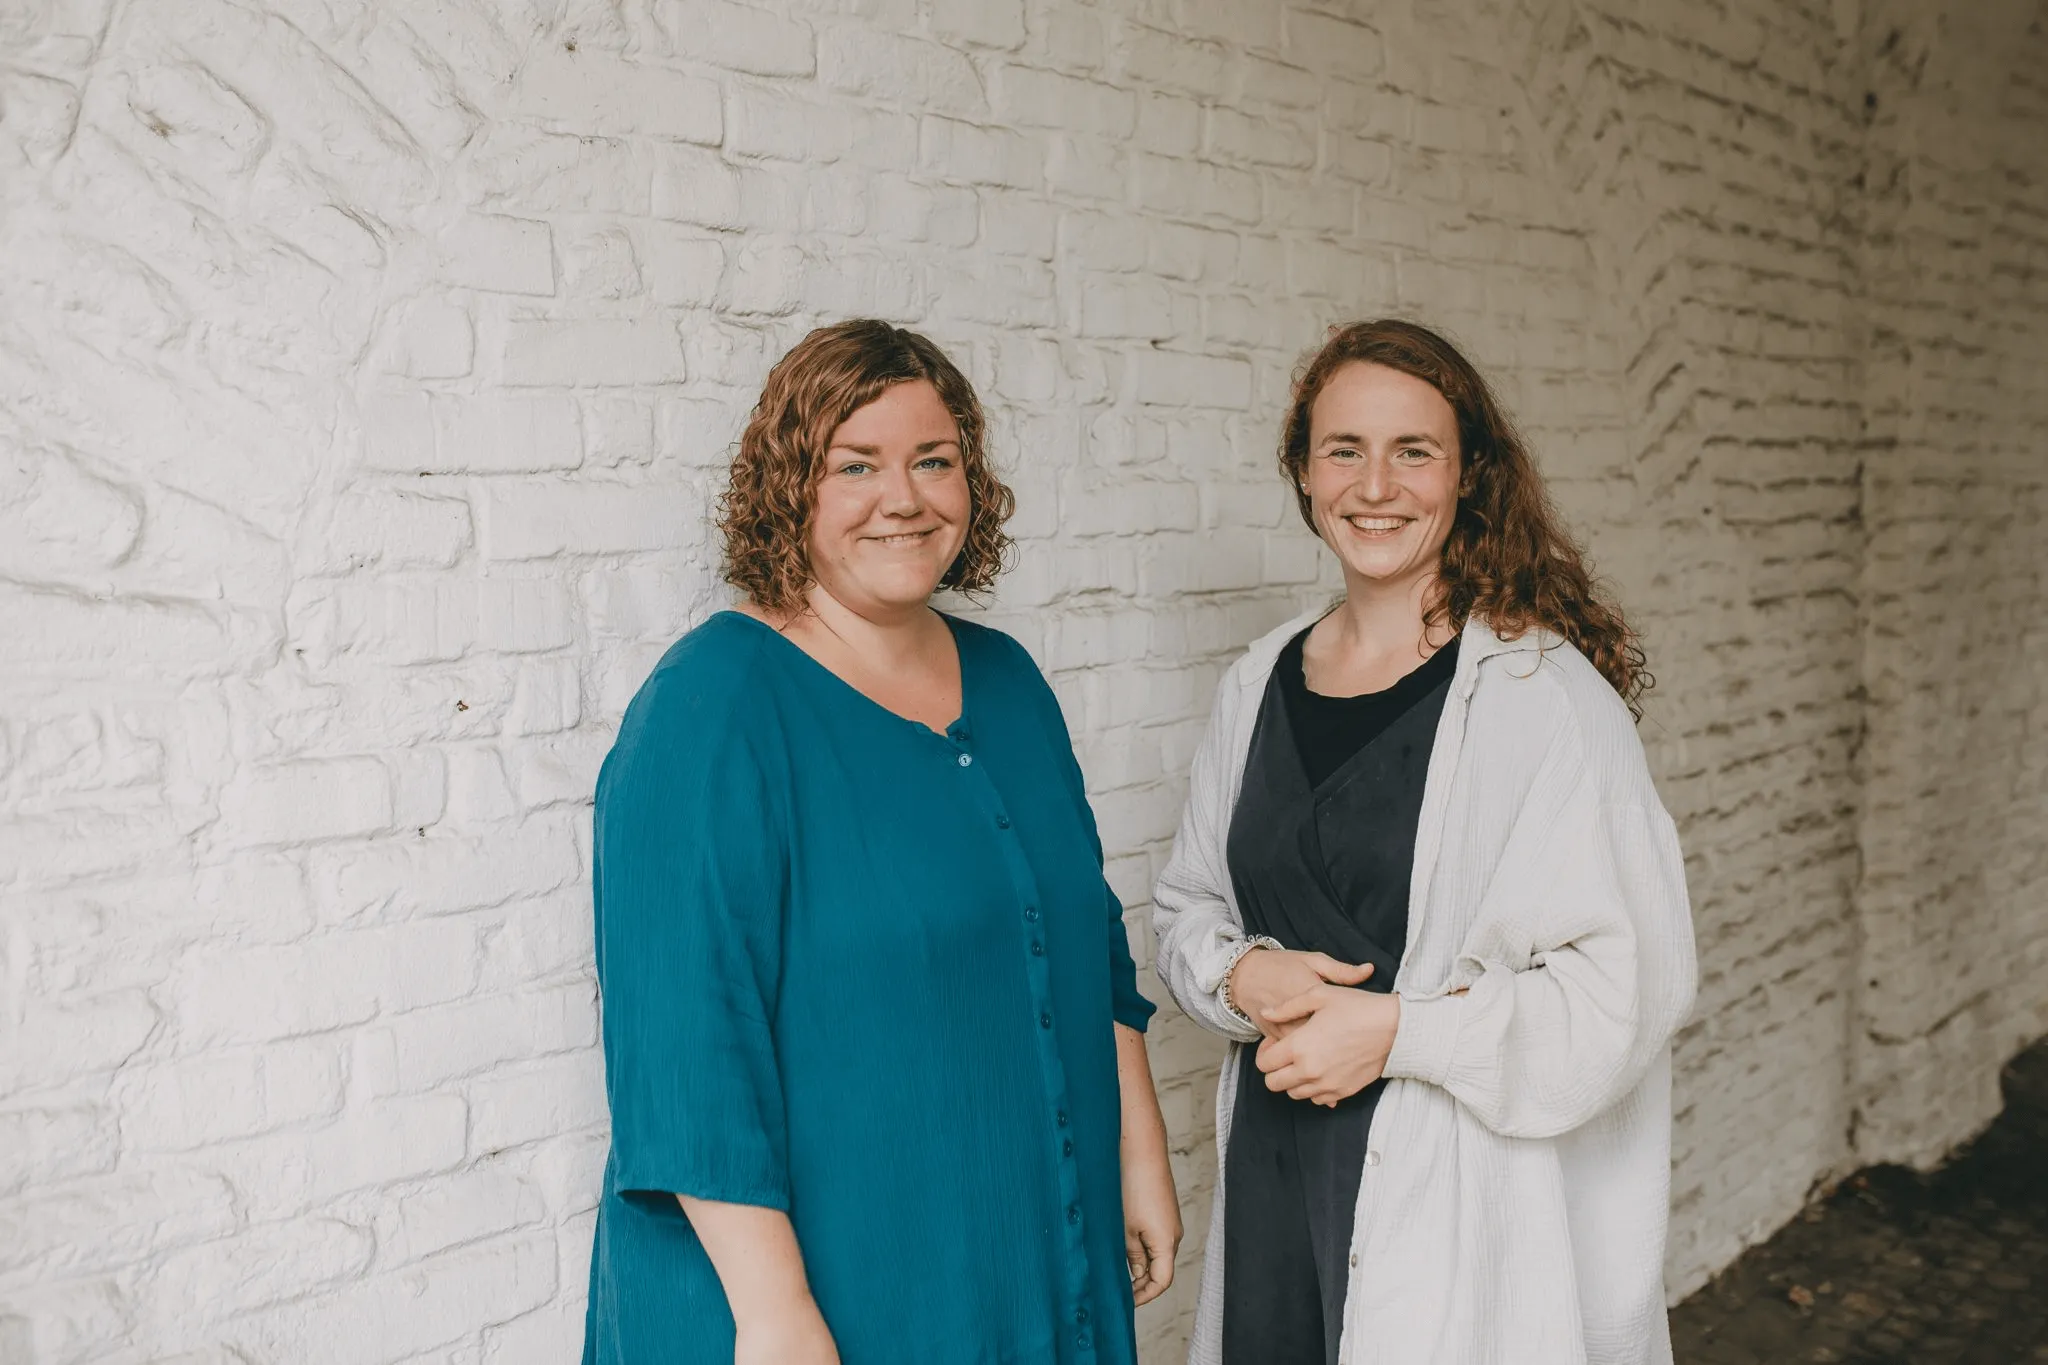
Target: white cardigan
{"x":1516,"y":1188}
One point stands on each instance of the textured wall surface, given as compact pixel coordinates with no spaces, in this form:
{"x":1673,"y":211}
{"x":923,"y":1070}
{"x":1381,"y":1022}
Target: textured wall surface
{"x":366,"y":367}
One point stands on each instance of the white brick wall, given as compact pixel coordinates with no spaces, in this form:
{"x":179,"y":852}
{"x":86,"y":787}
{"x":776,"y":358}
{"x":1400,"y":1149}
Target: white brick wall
{"x":365,"y":374}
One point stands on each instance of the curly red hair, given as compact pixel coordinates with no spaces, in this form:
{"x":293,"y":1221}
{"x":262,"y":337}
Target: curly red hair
{"x":765,"y":510}
{"x":1509,"y":559}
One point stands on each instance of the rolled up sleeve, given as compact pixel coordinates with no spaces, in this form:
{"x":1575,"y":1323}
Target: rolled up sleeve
{"x":690,"y":887}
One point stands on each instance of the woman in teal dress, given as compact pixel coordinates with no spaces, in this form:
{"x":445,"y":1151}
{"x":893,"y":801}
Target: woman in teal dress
{"x":873,"y":1041}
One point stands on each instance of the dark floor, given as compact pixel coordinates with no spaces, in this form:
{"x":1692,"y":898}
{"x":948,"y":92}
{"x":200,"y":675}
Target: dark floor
{"x":1894,"y":1267}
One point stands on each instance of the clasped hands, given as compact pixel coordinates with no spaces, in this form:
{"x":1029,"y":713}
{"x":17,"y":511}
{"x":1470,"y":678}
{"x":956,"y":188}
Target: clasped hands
{"x":1324,"y":1040}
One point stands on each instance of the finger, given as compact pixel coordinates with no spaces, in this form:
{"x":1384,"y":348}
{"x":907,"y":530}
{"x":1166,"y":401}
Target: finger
{"x":1274,"y":1054}
{"x":1160,"y":1271}
{"x":1300,"y":1007}
{"x":1286,"y":1080}
{"x":1341,"y":973}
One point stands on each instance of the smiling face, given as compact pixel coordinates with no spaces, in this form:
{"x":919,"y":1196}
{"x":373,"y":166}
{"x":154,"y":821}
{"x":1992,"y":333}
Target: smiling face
{"x":892,"y":503}
{"x":1382,"y":474}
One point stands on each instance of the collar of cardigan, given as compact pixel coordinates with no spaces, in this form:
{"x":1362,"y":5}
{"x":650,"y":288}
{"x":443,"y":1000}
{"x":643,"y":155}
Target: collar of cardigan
{"x":1476,"y":643}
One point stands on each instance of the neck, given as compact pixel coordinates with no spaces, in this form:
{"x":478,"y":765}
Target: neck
{"x":1378,"y":616}
{"x":886,"y":636}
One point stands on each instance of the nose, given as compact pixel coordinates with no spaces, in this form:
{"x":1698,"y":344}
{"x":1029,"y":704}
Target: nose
{"x":1376,"y":481}
{"x":899,"y":494}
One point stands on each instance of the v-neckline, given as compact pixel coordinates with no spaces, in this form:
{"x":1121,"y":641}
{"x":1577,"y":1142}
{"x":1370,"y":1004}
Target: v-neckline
{"x":953,"y":731}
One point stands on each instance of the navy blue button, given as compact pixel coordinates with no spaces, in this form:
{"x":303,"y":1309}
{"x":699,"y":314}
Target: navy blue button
{"x":1081,"y":1316}
{"x":1037,"y":948}
{"x":1082,"y":1341}
{"x":1073,"y":1213}
{"x":1002,"y":822}
{"x":1063,"y":1118}
{"x":1067,"y":1147}
{"x":1031,"y":913}
{"x":1045,"y":1020}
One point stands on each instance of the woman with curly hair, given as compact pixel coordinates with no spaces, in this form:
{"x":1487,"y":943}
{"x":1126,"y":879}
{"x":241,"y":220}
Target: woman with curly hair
{"x":1423,"y":878}
{"x":873,"y":1040}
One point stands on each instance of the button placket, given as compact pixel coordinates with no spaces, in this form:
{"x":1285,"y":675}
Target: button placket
{"x":1037,"y":970}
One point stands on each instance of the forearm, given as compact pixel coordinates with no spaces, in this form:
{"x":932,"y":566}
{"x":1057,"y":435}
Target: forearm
{"x":1144,"y":1127}
{"x":755,"y":1253}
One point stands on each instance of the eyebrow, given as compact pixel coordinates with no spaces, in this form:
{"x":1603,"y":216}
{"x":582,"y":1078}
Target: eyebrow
{"x":1349,"y":438}
{"x":924,"y":448}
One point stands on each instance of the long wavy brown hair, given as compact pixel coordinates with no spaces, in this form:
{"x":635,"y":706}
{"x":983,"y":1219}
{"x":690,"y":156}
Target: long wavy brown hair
{"x":771,"y":489}
{"x":1509,"y":559}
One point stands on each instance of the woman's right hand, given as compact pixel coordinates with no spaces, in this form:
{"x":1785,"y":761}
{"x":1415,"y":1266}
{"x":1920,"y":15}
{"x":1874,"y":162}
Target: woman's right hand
{"x":796,"y":1337}
{"x":1266,"y":978}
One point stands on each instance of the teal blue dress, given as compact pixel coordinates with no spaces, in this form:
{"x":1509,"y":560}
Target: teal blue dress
{"x":864,"y":973}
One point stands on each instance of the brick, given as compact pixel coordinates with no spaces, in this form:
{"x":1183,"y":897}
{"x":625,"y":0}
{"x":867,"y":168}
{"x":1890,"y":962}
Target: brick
{"x":1233,"y":136}
{"x":398,"y":528}
{"x":982,"y":23}
{"x":431,"y":338}
{"x":1196,"y":189}
{"x":504,"y":434}
{"x":1159,"y":57}
{"x":1324,"y":42}
{"x":111,"y":1221}
{"x":535,"y":1102}
{"x":561,"y":769}
{"x":898,"y":69}
{"x":976,"y":155}
{"x":1036,"y":98}
{"x":546,"y":351}
{"x":1087,"y":168}
{"x":691,"y":185}
{"x":533,"y":172}
{"x":775,"y":121}
{"x":328,"y":982}
{"x":1180,"y":379}
{"x":262,"y":1266}
{"x":469,"y":1207}
{"x":594,"y":94}
{"x":539,"y":519}
{"x":294,"y":803}
{"x":435,"y":1046}
{"x":601,"y":265}
{"x":738,"y":37}
{"x":43,"y":1145}
{"x":444,"y":873}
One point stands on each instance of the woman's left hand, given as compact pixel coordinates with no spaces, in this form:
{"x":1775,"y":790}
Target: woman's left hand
{"x":1337,"y":1047}
{"x":1151,"y":1223}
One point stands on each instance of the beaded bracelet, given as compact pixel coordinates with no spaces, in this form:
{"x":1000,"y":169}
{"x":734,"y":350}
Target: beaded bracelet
{"x":1244,"y":946}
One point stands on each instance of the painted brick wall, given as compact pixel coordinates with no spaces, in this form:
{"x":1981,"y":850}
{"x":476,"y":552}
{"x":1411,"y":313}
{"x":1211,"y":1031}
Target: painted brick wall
{"x":366,"y":368}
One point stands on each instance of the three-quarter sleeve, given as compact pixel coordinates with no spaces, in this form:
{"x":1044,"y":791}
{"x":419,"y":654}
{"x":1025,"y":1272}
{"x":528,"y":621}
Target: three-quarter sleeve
{"x":1127,"y":1005}
{"x":1567,"y":1004}
{"x":690,"y":883}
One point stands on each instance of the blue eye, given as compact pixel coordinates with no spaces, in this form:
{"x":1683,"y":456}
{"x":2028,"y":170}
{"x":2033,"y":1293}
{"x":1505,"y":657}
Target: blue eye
{"x":853,"y":467}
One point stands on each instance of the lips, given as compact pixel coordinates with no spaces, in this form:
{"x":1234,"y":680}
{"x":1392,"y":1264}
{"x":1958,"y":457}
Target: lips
{"x":1377,"y":526}
{"x":903,"y":538}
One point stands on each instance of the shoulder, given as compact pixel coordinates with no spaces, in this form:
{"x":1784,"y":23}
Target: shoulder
{"x":1544,"y":688}
{"x":1251,"y":669}
{"x":996,"y":648}
{"x":1008,"y":677}
{"x":705,"y":690}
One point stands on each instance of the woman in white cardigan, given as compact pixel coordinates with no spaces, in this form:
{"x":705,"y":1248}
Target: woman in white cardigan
{"x":1424,"y":870}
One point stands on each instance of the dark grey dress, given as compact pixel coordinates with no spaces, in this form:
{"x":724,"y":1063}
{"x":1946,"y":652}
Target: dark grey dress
{"x":1321,"y":844}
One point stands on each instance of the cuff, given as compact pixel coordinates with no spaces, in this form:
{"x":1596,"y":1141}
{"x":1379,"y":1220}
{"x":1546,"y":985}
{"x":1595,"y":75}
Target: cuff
{"x":1131,"y":1009}
{"x":1426,"y":1039}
